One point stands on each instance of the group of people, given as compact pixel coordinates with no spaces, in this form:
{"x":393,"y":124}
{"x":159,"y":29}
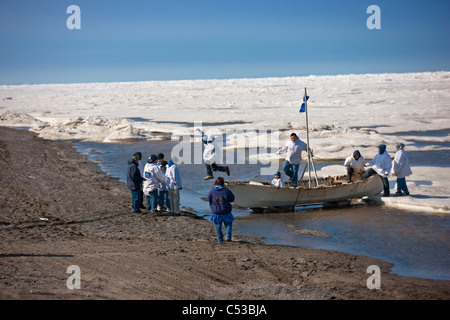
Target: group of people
{"x":355,"y":165}
{"x":382,"y":165}
{"x":158,"y":180}
{"x":161,"y":182}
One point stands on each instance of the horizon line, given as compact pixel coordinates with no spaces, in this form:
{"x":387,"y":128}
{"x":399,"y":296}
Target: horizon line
{"x":221,"y":79}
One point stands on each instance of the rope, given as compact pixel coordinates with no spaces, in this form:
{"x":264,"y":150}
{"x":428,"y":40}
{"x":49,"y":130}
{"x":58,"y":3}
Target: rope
{"x":274,"y":194}
{"x":353,"y":195}
{"x":248,"y":178}
{"x":202,"y":195}
{"x":298,"y":195}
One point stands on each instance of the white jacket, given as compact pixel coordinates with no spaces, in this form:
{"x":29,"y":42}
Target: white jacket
{"x":154,"y":176}
{"x":173,"y":178}
{"x":293,"y":150}
{"x":400,"y":164}
{"x":381,"y":164}
{"x":209,"y":154}
{"x":163,"y":186}
{"x":277,"y":183}
{"x":357,"y":165}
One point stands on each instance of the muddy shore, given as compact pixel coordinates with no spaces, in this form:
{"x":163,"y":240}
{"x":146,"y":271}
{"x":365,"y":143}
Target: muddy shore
{"x":58,"y":209}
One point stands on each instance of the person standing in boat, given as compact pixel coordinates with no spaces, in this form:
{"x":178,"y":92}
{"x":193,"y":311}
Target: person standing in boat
{"x":354,"y":165}
{"x":401,"y":169}
{"x":293,"y":149}
{"x":220,"y":199}
{"x":381,"y":165}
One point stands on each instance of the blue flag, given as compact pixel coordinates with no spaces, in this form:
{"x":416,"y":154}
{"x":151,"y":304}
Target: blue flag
{"x":303,"y":107}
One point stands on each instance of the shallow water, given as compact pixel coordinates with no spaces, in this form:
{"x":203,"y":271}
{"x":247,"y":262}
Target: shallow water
{"x":416,"y":243}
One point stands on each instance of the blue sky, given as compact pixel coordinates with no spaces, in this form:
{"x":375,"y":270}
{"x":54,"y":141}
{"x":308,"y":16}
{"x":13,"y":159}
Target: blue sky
{"x":201,"y":39}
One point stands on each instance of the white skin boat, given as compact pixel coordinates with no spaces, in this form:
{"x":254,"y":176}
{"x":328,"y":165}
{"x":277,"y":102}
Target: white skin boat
{"x":331,"y":189}
{"x":257,"y":195}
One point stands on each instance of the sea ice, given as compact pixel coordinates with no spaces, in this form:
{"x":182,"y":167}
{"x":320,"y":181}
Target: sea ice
{"x":346,"y":112}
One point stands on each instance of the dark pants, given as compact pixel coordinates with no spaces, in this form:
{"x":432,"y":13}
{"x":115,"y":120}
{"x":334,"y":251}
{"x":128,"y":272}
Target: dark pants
{"x":291,"y":170}
{"x":136,"y":200}
{"x":350,"y":172}
{"x":401,"y":185}
{"x":163,"y":199}
{"x":142,"y":200}
{"x":152,"y":200}
{"x":371,"y":172}
{"x":213,"y":167}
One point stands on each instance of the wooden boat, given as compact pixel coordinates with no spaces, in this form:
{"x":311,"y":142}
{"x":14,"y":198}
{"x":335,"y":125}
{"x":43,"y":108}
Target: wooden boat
{"x":250,"y":194}
{"x":259,"y":195}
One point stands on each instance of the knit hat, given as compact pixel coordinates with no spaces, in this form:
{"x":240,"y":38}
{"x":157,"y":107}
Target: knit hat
{"x":278,"y":173}
{"x":137,"y":156}
{"x":356,"y":153}
{"x":152,"y":158}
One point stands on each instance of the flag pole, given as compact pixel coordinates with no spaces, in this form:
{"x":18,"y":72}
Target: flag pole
{"x":310,"y":159}
{"x":307,"y":137}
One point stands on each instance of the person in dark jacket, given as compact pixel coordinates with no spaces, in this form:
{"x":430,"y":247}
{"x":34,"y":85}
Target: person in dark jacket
{"x":134,"y":181}
{"x":220,"y":199}
{"x":141,"y":169}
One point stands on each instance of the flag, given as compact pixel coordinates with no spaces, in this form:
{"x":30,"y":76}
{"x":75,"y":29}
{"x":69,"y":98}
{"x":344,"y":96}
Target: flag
{"x":303,"y":107}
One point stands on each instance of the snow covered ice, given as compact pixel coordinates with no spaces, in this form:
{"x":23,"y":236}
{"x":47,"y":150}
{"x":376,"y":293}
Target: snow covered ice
{"x":346,"y":112}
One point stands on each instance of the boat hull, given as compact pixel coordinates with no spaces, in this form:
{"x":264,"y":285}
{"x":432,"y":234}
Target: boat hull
{"x":258,"y":195}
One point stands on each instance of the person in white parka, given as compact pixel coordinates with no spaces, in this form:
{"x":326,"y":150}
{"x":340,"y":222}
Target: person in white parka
{"x":381,"y":165}
{"x":354,"y":165}
{"x":209,"y":156}
{"x":174,"y":185}
{"x":277,"y":182}
{"x":401,"y":169}
{"x":154,"y":177}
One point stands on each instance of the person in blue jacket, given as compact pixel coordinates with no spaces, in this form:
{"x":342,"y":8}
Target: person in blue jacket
{"x":220,"y":199}
{"x":134,"y":181}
